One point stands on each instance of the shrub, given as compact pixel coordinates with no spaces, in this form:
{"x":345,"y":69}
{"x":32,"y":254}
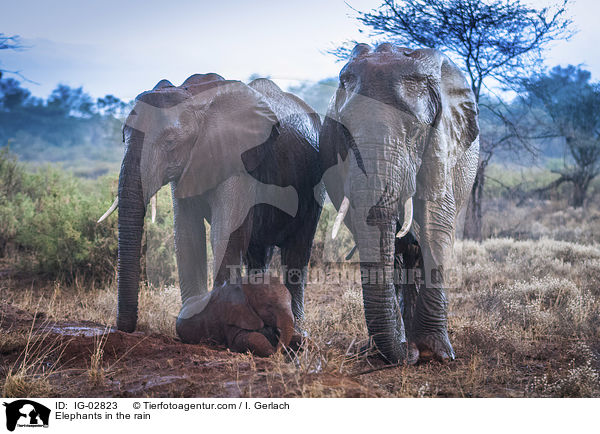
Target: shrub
{"x":48,"y":218}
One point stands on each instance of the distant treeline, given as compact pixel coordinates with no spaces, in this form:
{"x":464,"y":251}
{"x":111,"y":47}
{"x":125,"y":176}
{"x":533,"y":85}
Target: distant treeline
{"x":84,"y":135}
{"x":68,"y":127}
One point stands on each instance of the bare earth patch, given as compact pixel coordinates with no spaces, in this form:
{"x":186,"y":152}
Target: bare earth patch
{"x":151,"y":364}
{"x":524,"y":321}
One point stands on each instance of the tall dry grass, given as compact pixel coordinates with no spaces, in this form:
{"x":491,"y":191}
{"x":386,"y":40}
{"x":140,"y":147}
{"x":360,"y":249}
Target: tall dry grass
{"x":524,"y":315}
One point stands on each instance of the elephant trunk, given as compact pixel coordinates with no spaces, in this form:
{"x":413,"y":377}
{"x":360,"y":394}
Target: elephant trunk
{"x":379,"y":195}
{"x":132,"y":210}
{"x":286,"y":331}
{"x":382,"y":312}
{"x":374,"y":228}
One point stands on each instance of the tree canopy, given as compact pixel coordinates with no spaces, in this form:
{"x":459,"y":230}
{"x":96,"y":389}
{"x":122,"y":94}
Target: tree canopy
{"x":572,"y":105}
{"x":68,"y":126}
{"x":9,"y":43}
{"x":316,"y":95}
{"x":489,"y":39}
{"x":502,"y":39}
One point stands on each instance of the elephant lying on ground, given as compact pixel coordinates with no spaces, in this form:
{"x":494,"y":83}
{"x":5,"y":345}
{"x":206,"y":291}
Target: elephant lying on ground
{"x":245,"y":317}
{"x":242,"y":157}
{"x":399,"y":148}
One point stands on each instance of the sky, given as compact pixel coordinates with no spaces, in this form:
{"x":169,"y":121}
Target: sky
{"x":124,"y":47}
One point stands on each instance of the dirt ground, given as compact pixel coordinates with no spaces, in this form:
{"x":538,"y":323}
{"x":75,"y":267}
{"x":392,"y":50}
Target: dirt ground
{"x":513,"y":337}
{"x":154,"y":365}
{"x":142,"y":364}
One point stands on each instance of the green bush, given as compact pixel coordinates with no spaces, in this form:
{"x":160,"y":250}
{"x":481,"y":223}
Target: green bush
{"x":58,"y":228}
{"x":159,"y":245}
{"x":48,"y":224}
{"x":15,"y":203}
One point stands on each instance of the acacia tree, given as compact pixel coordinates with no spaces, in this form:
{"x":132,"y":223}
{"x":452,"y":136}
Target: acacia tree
{"x":501,"y":40}
{"x":572,"y":105}
{"x":9,"y":43}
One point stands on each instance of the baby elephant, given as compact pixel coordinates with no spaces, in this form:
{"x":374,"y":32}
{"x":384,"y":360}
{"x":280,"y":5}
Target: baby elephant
{"x":254,"y":317}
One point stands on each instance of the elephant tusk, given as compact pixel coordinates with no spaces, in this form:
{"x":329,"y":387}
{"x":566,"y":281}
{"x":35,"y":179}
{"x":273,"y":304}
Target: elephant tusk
{"x":153,"y":205}
{"x":408,"y":217}
{"x":340,"y":217}
{"x":351,"y":254}
{"x":112,"y":208}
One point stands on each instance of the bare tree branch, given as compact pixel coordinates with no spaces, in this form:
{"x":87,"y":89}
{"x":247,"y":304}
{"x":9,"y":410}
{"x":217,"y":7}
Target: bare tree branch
{"x":490,"y":39}
{"x":12,"y":43}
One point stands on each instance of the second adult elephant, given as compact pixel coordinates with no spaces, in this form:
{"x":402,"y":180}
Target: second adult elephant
{"x":399,"y":148}
{"x":242,"y":157}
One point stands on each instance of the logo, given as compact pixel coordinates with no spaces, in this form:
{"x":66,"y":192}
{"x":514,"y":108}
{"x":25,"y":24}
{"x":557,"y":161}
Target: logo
{"x":26,"y":413}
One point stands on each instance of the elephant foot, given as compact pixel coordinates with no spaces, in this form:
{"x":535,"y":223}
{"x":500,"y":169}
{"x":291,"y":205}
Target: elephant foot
{"x":296,"y":342}
{"x":299,"y":337}
{"x":412,"y":354}
{"x":411,"y":358}
{"x":255,"y":342}
{"x":272,"y":334}
{"x":127,"y":323}
{"x":434,"y":347}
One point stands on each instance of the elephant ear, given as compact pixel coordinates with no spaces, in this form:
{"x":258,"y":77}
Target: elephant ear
{"x":233,"y":119}
{"x":460,"y":112}
{"x":455,"y":129}
{"x":333,"y":140}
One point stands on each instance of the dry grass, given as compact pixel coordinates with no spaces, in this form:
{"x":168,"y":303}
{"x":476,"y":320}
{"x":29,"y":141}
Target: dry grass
{"x":542,"y":219}
{"x":96,"y":371}
{"x":21,"y":384}
{"x":12,"y":341}
{"x":158,"y":307}
{"x":524,"y":321}
{"x":29,"y":375}
{"x":531,"y":306}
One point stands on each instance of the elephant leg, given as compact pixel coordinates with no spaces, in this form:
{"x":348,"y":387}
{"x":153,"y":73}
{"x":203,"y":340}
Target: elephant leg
{"x":295,"y":254}
{"x":430,"y":324}
{"x":408,"y":264}
{"x":231,"y":205}
{"x":190,"y":246}
{"x":258,"y":257}
{"x":230,"y":269}
{"x":294,"y":260}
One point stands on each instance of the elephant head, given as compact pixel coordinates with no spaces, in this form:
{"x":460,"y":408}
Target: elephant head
{"x":195,"y":136}
{"x":396,"y":126}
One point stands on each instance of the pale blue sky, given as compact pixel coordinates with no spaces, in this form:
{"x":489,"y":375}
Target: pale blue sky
{"x":125,"y":47}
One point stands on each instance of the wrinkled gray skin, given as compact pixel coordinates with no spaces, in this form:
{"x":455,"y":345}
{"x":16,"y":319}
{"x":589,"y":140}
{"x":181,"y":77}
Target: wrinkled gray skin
{"x":403,"y":123}
{"x":242,"y":157}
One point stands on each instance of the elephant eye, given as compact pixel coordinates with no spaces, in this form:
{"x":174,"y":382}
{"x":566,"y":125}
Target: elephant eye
{"x":169,"y":138}
{"x":347,"y":79}
{"x":415,"y":95}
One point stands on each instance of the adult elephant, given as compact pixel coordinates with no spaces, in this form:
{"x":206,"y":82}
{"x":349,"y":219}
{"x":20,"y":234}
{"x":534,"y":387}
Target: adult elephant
{"x":242,"y":157}
{"x":399,"y":148}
